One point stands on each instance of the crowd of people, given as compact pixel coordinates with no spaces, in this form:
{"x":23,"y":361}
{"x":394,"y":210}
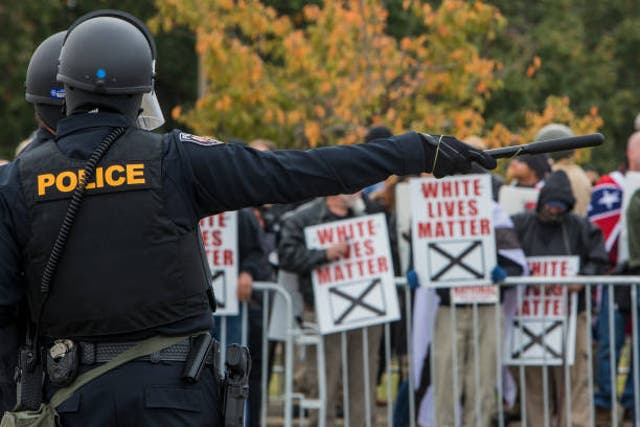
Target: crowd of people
{"x":573,"y":215}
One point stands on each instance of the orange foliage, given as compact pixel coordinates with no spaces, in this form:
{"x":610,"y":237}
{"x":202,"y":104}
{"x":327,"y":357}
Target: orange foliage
{"x":325,"y":80}
{"x":557,"y":110}
{"x":339,"y":74}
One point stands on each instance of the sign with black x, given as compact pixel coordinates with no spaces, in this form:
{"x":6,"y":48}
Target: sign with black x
{"x":219,"y":288}
{"x":220,"y":242}
{"x":540,"y":340}
{"x":542,"y":329}
{"x":358,"y":289}
{"x":537,"y":340}
{"x":456,"y":260}
{"x":358,"y":301}
{"x":452,"y":230}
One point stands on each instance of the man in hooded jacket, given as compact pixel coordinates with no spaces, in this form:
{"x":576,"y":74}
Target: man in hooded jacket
{"x":553,"y":229}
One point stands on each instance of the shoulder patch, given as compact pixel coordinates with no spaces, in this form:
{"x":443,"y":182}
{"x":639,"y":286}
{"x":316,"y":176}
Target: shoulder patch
{"x":200,"y":140}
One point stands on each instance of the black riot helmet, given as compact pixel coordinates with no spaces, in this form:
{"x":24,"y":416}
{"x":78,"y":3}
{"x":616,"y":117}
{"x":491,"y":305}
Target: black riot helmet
{"x":107,"y":63}
{"x":41,"y":87}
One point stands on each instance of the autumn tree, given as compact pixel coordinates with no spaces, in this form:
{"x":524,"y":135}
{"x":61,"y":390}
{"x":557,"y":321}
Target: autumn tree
{"x":325,"y":73}
{"x":26,"y":23}
{"x":556,"y":110}
{"x":322,"y":72}
{"x":329,"y":80}
{"x":583,"y":50}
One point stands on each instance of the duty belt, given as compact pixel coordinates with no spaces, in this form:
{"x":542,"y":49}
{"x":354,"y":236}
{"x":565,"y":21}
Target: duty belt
{"x":91,"y":353}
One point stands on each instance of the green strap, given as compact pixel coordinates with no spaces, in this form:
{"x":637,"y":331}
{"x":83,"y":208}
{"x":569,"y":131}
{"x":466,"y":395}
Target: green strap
{"x":143,"y":348}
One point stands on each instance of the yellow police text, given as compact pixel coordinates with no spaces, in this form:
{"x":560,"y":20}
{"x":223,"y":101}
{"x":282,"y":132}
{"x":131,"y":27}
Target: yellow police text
{"x":109,"y":176}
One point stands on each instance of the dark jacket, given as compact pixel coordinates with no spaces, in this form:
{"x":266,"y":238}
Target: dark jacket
{"x":574,"y":235}
{"x":633,"y":232}
{"x":293,"y":254}
{"x":251,"y":254}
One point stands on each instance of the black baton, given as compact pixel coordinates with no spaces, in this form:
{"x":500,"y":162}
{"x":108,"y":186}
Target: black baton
{"x":549,"y":146}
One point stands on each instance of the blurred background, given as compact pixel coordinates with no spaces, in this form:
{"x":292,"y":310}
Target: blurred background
{"x":306,"y":74}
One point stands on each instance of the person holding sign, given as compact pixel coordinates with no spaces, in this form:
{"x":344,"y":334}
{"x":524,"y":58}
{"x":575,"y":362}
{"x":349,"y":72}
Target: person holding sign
{"x":461,"y":262}
{"x":554,"y":230}
{"x":510,"y":263}
{"x":294,"y":256}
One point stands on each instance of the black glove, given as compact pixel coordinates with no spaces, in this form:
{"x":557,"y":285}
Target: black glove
{"x":446,"y":155}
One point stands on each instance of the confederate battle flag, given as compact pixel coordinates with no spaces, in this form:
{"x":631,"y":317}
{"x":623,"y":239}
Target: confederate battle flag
{"x":605,"y":209}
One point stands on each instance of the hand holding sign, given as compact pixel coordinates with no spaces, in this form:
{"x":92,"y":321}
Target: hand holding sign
{"x":336,"y":251}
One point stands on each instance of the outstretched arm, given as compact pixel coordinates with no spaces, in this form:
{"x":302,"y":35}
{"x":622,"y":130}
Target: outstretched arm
{"x":231,"y":176}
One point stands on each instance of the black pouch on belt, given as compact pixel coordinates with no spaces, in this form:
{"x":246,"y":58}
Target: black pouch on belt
{"x":63,"y":360}
{"x":197,"y":358}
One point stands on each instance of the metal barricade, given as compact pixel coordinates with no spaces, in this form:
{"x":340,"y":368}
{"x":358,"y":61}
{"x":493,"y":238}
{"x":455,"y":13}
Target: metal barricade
{"x":563,"y":397}
{"x":310,"y":336}
{"x":295,"y":334}
{"x":268,"y":289}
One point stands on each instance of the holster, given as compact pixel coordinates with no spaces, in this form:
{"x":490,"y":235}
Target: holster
{"x":236,"y":385}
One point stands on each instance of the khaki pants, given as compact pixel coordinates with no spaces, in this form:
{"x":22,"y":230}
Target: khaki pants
{"x":463,"y":338}
{"x":334,"y":376}
{"x":579,"y":374}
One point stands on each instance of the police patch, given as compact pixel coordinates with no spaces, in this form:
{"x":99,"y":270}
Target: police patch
{"x":200,"y":140}
{"x":56,"y":93}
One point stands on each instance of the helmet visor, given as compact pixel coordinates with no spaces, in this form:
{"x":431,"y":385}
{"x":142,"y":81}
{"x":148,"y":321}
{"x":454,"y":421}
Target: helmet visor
{"x":150,"y":117}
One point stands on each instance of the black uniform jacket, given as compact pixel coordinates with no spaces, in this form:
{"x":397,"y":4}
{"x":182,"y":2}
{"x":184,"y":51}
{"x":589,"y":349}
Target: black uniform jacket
{"x":202,"y":177}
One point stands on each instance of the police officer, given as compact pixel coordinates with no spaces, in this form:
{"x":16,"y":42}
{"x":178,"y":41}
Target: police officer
{"x":47,"y":96}
{"x":43,"y":90}
{"x":128,"y":266}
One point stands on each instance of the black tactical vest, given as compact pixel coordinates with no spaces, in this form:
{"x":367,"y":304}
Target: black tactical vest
{"x":126,"y":267}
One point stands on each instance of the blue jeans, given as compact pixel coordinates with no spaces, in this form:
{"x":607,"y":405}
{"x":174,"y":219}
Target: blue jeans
{"x":401,"y":407}
{"x":602,"y":397}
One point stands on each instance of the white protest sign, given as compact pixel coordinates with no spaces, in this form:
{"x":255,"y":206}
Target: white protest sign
{"x":515,"y":200}
{"x":543,"y":330}
{"x":220,"y":239}
{"x":453,"y":238}
{"x":357,"y":290}
{"x":403,"y":225}
{"x":475,"y":294}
